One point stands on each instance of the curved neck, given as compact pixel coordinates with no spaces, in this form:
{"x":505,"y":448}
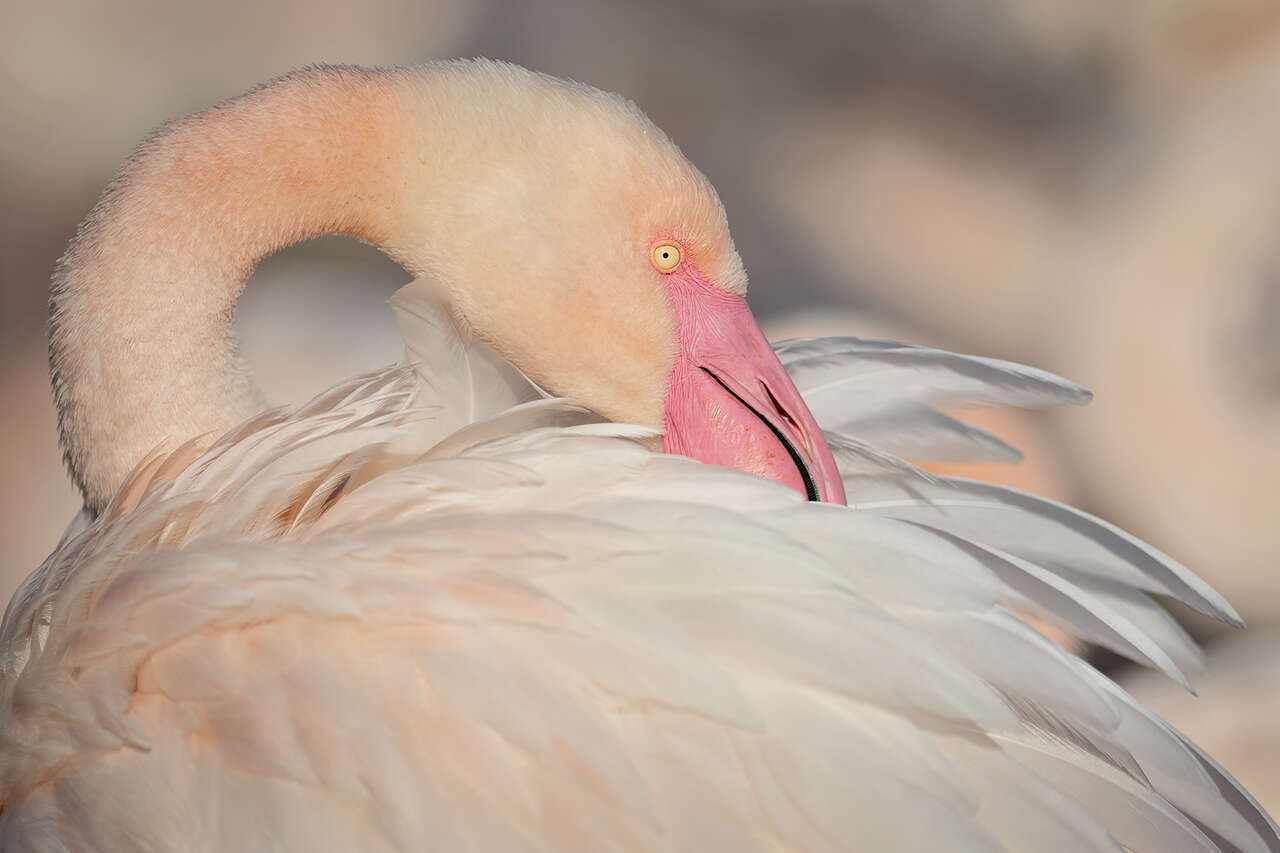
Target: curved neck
{"x":142,"y":350}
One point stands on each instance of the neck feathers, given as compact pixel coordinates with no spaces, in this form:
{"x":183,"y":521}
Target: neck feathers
{"x":480,"y":174}
{"x":142,"y":350}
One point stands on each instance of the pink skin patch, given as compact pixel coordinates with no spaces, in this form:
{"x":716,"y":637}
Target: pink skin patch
{"x":731,"y":403}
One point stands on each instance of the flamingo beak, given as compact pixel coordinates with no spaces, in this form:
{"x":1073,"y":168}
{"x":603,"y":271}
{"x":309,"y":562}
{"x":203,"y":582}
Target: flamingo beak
{"x":730,"y":402}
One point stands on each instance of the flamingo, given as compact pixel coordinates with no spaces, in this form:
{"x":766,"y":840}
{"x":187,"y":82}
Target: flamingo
{"x":595,"y":568}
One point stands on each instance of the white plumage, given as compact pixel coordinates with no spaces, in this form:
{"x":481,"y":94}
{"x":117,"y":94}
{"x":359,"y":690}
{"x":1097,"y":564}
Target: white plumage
{"x":351,"y":628}
{"x":438,"y":608}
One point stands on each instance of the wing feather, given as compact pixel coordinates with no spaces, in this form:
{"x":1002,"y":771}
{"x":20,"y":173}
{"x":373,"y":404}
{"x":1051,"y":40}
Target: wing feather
{"x":335,"y":631}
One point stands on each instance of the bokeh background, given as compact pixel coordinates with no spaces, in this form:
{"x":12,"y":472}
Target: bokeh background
{"x":1092,"y":186}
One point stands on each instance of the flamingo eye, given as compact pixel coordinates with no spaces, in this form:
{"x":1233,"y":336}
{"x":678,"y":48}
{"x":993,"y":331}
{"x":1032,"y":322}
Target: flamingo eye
{"x":666,"y":257}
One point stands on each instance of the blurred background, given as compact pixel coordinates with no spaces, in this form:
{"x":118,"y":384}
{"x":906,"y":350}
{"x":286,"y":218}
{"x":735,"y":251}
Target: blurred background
{"x":1091,"y":186}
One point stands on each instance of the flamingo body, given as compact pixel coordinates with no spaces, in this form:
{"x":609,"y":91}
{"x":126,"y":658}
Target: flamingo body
{"x":438,"y":608}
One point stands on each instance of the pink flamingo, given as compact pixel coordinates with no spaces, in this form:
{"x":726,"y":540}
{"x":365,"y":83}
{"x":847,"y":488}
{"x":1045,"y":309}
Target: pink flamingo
{"x":440,"y":607}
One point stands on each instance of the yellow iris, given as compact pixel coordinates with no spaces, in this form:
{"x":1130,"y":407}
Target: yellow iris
{"x":666,"y":257}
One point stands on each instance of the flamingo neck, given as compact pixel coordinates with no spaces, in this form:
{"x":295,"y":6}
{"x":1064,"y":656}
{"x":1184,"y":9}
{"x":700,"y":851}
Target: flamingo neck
{"x":142,"y":349}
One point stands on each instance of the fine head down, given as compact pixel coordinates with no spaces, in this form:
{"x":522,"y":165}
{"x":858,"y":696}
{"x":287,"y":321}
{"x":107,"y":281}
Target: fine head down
{"x":572,"y":236}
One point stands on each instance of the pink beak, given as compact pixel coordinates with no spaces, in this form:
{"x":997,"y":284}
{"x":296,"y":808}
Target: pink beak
{"x":730,"y":402}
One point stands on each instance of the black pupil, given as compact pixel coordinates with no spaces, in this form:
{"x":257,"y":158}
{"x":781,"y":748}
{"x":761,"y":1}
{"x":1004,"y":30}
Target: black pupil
{"x":665,"y":255}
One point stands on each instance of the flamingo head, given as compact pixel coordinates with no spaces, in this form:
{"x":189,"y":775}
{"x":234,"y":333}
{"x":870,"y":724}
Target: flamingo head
{"x":586,"y":249}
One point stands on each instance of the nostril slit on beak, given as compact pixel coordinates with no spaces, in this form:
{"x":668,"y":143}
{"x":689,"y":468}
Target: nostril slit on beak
{"x":777,"y":407}
{"x":810,"y":487}
{"x":786,"y":417}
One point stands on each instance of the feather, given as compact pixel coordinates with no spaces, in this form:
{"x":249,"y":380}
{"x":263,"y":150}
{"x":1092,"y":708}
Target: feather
{"x":1043,"y":531}
{"x":855,"y":457}
{"x":533,"y":632}
{"x":884,"y":393}
{"x":862,"y":374}
{"x":462,"y":378}
{"x":913,"y":430}
{"x":1066,"y":604}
